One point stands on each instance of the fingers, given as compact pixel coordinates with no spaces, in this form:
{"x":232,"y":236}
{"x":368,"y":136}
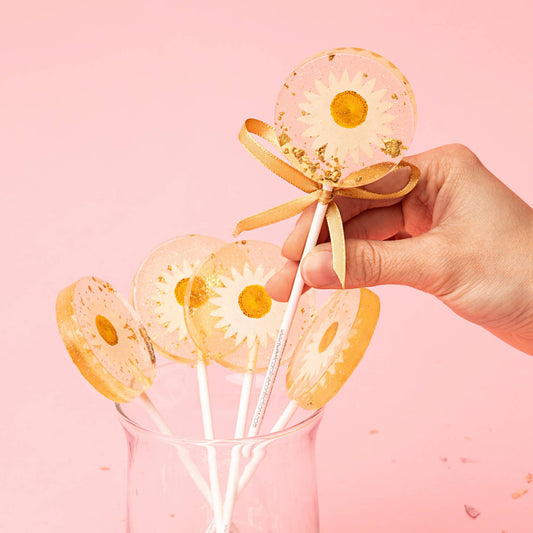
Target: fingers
{"x":418,"y":262}
{"x":279,"y":286}
{"x":349,"y":208}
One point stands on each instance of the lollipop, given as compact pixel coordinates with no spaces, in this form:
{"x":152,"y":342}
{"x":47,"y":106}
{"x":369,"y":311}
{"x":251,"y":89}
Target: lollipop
{"x":325,"y":357}
{"x":158,"y":294}
{"x":107,"y":343}
{"x":332,"y":347}
{"x":238,"y":323}
{"x":343,"y":119}
{"x":110,"y":347}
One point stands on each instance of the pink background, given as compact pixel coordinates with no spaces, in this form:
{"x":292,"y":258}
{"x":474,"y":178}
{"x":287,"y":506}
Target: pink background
{"x":118,"y":131}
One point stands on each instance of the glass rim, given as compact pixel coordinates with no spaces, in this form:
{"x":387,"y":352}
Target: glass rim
{"x":127,"y":421}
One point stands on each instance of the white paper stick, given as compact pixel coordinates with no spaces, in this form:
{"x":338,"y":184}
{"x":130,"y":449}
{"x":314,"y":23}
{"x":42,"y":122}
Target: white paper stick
{"x":242,"y":415}
{"x":183,"y":453}
{"x":288,"y":317}
{"x":260,"y":451}
{"x":209,"y":435}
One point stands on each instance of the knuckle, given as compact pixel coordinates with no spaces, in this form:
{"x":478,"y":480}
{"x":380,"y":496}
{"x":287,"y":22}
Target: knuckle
{"x":365,"y":265}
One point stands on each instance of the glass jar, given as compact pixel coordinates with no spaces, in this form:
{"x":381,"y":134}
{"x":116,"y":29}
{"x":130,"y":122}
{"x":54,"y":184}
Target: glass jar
{"x":172,"y":478}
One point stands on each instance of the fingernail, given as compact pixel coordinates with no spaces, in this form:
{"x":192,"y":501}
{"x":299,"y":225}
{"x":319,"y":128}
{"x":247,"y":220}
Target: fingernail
{"x":317,"y":270}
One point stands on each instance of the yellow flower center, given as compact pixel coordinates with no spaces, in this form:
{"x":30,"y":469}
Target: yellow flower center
{"x":328,"y":337}
{"x":254,"y":301}
{"x":198,"y":292}
{"x":349,"y":109}
{"x":106,"y":329}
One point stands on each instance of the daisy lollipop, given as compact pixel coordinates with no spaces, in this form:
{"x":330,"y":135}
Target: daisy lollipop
{"x":343,"y":120}
{"x":326,"y":356}
{"x":238,"y":323}
{"x":158,"y":294}
{"x":111,"y":349}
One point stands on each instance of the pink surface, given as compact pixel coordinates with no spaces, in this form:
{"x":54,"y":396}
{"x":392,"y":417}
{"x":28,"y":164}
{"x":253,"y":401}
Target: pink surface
{"x":119,"y":125}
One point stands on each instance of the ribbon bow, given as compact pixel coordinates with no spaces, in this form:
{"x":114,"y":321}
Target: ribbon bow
{"x":323,"y":191}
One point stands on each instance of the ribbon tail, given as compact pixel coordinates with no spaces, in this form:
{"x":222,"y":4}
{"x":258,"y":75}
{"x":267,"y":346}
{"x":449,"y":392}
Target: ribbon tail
{"x":276,"y":214}
{"x":338,"y":246}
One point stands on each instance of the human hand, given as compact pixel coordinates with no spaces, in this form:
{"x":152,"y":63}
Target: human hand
{"x":460,"y":235}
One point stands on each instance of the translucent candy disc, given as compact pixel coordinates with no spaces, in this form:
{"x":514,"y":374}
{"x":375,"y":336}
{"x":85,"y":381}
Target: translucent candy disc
{"x":237,"y":322}
{"x":106,"y":341}
{"x":159,"y":288}
{"x":346,"y":114}
{"x":332,"y":347}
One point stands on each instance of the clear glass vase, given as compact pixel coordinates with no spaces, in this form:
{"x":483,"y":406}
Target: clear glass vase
{"x":172,"y":478}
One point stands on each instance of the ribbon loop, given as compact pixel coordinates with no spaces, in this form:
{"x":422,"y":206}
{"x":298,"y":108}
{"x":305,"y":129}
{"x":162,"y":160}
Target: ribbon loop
{"x":314,"y":191}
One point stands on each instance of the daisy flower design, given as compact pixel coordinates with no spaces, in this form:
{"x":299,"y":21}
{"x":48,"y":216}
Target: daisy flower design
{"x":345,"y":114}
{"x":346,"y":117}
{"x":332,"y":347}
{"x":244,"y":309}
{"x":239,"y":317}
{"x":169,"y":297}
{"x":106,"y":341}
{"x":159,"y":290}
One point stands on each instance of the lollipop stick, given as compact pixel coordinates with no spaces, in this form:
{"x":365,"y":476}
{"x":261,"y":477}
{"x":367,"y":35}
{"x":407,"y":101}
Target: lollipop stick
{"x":259,"y":452}
{"x":242,"y":415}
{"x":209,"y":435}
{"x":288,"y":317}
{"x":183,"y":454}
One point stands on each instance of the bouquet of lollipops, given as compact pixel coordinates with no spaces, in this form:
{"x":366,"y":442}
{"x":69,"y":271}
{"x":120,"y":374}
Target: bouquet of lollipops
{"x":343,"y":118}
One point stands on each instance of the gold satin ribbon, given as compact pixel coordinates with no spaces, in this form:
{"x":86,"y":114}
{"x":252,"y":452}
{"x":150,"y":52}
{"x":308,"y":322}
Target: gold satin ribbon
{"x":314,"y":191}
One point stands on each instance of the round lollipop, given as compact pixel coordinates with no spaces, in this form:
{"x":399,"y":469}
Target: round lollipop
{"x":111,"y":348}
{"x":332,"y":347}
{"x":107,"y":343}
{"x":158,"y":293}
{"x":238,"y":317}
{"x":325,"y":357}
{"x":345,"y":115}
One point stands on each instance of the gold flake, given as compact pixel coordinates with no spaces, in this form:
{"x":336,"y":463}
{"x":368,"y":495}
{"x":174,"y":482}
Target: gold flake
{"x":393,"y":147}
{"x":394,"y":96}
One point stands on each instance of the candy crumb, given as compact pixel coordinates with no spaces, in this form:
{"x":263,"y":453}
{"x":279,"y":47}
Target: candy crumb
{"x":472,"y":512}
{"x":529,"y":478}
{"x":517,"y":493}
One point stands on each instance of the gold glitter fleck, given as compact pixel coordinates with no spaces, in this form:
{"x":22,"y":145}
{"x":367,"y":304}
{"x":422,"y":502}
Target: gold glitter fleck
{"x":283,"y":139}
{"x":393,"y":147}
{"x":518,"y":493}
{"x":331,"y":57}
{"x":394,"y":96}
{"x":365,"y":75}
{"x":280,"y":116}
{"x":320,"y":152}
{"x":529,"y":478}
{"x":285,"y":85}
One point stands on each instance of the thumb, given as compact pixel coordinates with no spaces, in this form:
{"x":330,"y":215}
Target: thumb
{"x":417,"y":261}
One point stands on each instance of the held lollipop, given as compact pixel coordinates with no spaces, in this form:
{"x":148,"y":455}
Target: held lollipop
{"x":111,"y":349}
{"x":326,"y":356}
{"x":158,"y":294}
{"x":343,"y":119}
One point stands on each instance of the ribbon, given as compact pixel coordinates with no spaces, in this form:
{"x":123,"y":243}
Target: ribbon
{"x":315,"y":191}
